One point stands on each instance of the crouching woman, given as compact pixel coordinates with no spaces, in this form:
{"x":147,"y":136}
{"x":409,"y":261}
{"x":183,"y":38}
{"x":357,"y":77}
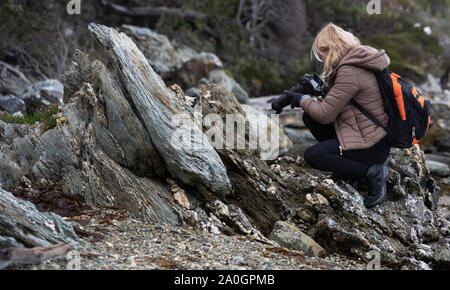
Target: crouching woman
{"x":350,"y":144}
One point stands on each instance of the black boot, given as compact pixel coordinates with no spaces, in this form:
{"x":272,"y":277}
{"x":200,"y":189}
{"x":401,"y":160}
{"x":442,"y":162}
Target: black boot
{"x":377,"y":175}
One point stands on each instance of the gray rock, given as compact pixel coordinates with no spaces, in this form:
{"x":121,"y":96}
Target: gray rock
{"x":21,"y":221}
{"x":290,"y":236}
{"x":181,"y":64}
{"x":191,"y":71}
{"x":13,"y":84}
{"x":156,"y":107}
{"x":443,"y":143}
{"x":234,"y":216}
{"x":43,"y":94}
{"x":12,"y":104}
{"x":301,"y":140}
{"x":70,"y":155}
{"x":221,"y":78}
{"x":438,"y":168}
{"x":439,"y":158}
{"x":192,"y":92}
{"x":431,"y":86}
{"x":406,"y":220}
{"x":118,"y":130}
{"x":161,"y":54}
{"x":442,"y":254}
{"x":9,"y":242}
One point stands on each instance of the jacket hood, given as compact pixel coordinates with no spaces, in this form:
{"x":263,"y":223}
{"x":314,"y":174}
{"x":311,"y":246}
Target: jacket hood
{"x":366,"y":57}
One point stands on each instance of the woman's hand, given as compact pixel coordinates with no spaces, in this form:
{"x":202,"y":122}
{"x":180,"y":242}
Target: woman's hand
{"x":296,"y":98}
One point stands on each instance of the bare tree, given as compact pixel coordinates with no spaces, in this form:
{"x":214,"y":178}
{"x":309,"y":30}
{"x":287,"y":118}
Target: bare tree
{"x":273,"y":26}
{"x":253,"y":16}
{"x":265,"y":21}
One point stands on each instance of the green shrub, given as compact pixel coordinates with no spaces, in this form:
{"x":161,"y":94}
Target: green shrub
{"x":45,"y":117}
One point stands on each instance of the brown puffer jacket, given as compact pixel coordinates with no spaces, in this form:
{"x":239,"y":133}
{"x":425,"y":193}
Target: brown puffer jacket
{"x":353,"y":79}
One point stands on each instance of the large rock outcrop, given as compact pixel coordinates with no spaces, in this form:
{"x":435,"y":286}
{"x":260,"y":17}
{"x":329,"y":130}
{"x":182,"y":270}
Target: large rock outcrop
{"x":156,"y":106}
{"x":113,"y":146}
{"x":406,"y":230}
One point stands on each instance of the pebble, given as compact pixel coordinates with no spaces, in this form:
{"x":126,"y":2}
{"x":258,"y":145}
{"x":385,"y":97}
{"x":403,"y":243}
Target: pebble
{"x":139,"y":245}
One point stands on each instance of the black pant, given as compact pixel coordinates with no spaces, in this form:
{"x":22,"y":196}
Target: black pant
{"x":326,"y":155}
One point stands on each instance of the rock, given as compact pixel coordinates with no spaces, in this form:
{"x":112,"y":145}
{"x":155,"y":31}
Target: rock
{"x":442,"y":254}
{"x":193,"y":92}
{"x":12,"y":104}
{"x":438,"y":168}
{"x":200,"y":167}
{"x":43,"y":94}
{"x":439,"y":158}
{"x":118,"y":130}
{"x":9,"y":242}
{"x":301,"y":140}
{"x":440,"y":110}
{"x":290,"y":236}
{"x":431,"y":86}
{"x":443,"y":143}
{"x":259,"y":122}
{"x":446,"y":96}
{"x":21,"y":221}
{"x":72,"y":155}
{"x":221,"y":78}
{"x":161,"y":54}
{"x":180,"y":64}
{"x":250,"y":176}
{"x":413,"y":264}
{"x":235,"y":218}
{"x":191,"y":71}
{"x":344,"y":225}
{"x":13,"y":84}
{"x":112,"y":147}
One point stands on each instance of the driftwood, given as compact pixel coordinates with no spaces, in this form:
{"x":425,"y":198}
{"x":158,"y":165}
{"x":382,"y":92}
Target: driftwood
{"x":12,"y":256}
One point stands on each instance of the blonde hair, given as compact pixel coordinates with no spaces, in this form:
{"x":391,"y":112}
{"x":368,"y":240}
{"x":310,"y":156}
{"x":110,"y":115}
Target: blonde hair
{"x":337,"y":41}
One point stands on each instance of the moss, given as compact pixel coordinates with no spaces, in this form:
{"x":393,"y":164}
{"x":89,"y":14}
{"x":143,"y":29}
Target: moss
{"x":45,"y":117}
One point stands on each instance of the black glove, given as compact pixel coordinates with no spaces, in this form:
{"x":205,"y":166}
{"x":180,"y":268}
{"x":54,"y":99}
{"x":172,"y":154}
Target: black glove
{"x":279,"y":103}
{"x":295,"y":98}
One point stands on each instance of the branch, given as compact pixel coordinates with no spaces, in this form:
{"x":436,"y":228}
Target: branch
{"x":153,"y":11}
{"x":16,"y":71}
{"x":239,"y":13}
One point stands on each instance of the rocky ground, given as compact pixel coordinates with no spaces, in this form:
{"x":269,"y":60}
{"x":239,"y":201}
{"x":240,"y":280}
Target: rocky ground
{"x":125,"y":196}
{"x":118,"y":241}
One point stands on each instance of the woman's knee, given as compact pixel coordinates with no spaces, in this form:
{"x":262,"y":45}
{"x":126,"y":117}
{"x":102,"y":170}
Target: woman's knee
{"x":311,"y":156}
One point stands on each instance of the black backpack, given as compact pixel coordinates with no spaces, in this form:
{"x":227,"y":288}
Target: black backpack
{"x":409,"y":113}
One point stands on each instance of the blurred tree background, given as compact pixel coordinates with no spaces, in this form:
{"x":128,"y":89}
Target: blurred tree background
{"x":265,"y":44}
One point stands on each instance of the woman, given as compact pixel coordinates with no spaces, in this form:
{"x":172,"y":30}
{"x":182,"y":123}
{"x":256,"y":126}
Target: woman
{"x":349,"y":143}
